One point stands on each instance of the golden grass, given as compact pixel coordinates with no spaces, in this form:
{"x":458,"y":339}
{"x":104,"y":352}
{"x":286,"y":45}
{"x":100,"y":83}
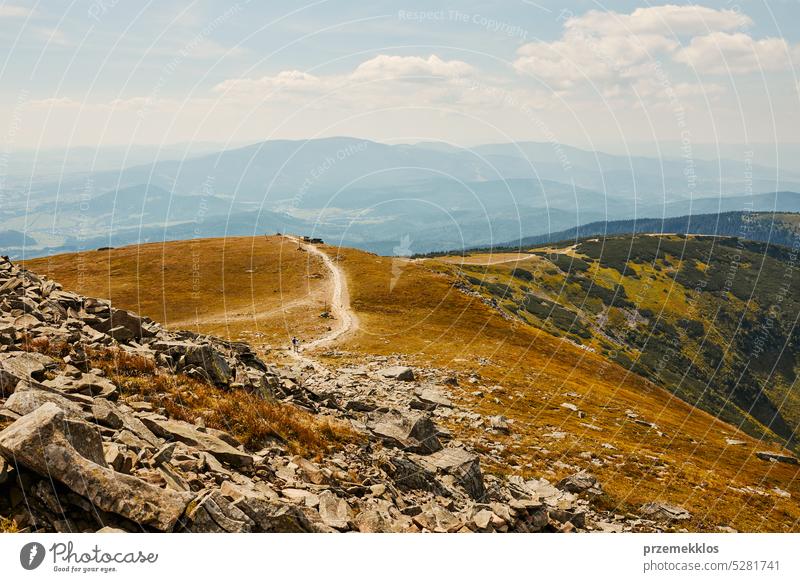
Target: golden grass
{"x":424,"y":317}
{"x":255,"y":289}
{"x":252,"y":418}
{"x":8,"y":525}
{"x":45,"y":346}
{"x":411,"y":308}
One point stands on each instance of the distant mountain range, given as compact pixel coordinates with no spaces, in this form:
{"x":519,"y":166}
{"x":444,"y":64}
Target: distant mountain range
{"x":369,"y":195}
{"x":781,"y":228}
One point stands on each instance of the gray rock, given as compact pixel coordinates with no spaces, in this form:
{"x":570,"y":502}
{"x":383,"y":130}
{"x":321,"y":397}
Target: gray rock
{"x":437,"y":519}
{"x":88,"y":384}
{"x":434,"y":397}
{"x":187,"y":433}
{"x":105,"y":413}
{"x":499,"y":424}
{"x":408,"y":475}
{"x":164,"y":454}
{"x":26,"y":364}
{"x":579,"y":482}
{"x":411,"y":431}
{"x":463,"y":466}
{"x":403,"y":373}
{"x":71,"y":451}
{"x":334,"y":511}
{"x":482,"y":518}
{"x":271,"y":516}
{"x":123,"y":326}
{"x":28,"y":398}
{"x":379,"y":516}
{"x":212,"y":512}
{"x":664,"y":511}
{"x":203,"y":356}
{"x":776,"y":457}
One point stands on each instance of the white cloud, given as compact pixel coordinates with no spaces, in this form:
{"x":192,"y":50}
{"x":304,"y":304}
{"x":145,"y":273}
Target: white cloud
{"x":587,"y":57}
{"x":609,"y":47}
{"x":720,"y":53}
{"x":384,"y":77}
{"x":668,"y":20}
{"x":53,"y":103}
{"x":396,"y":67}
{"x":285,"y":81}
{"x":11,"y":11}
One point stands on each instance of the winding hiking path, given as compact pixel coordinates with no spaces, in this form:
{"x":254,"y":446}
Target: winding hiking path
{"x":345,"y":320}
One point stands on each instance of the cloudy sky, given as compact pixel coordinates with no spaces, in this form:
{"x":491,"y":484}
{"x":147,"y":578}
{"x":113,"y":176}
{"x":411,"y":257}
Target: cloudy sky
{"x":579,"y":72}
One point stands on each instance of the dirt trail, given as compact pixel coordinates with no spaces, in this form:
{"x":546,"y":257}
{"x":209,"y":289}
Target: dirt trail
{"x":344,"y":319}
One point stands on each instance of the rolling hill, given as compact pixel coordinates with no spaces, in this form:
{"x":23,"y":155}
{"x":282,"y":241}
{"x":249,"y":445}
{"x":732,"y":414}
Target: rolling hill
{"x":713,"y":320}
{"x":574,"y":392}
{"x":375,"y":196}
{"x":780,"y":228}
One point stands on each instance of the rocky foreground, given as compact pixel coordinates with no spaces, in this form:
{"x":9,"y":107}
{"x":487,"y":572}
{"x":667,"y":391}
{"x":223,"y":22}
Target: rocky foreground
{"x":82,"y":451}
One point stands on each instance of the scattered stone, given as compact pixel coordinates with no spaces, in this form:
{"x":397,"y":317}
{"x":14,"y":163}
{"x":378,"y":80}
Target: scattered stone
{"x":462,"y":465}
{"x":665,"y":511}
{"x":187,"y":433}
{"x":71,"y":451}
{"x":334,"y":511}
{"x":580,"y":482}
{"x":776,"y":457}
{"x":410,"y":431}
{"x":403,"y":373}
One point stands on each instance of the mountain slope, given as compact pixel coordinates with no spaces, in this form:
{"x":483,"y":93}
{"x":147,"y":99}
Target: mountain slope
{"x":565,"y":407}
{"x":776,"y":227}
{"x":713,"y":320}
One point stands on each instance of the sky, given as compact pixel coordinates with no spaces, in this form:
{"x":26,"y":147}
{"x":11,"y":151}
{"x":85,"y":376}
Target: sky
{"x":591,"y":74}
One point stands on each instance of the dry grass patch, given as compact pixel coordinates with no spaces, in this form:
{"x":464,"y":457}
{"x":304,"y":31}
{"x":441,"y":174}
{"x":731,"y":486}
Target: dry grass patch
{"x":8,"y":525}
{"x":43,"y":345}
{"x":252,"y":418}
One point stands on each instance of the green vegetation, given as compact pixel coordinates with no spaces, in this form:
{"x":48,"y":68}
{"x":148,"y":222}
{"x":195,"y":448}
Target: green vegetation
{"x":713,"y":320}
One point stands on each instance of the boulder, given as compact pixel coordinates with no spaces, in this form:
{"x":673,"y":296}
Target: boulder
{"x":26,"y":364}
{"x":123,"y":326}
{"x":409,"y":475}
{"x":434,"y":397}
{"x":499,"y":424}
{"x":411,"y":431}
{"x":28,"y":398}
{"x":71,"y":451}
{"x":212,"y":512}
{"x":88,"y":384}
{"x":202,"y":356}
{"x":776,"y":457}
{"x":463,"y":466}
{"x":437,"y":519}
{"x":664,"y":511}
{"x":187,"y":433}
{"x":379,"y":516}
{"x":334,"y":511}
{"x":482,"y":519}
{"x":105,"y":413}
{"x":579,"y":482}
{"x":272,"y":516}
{"x":403,"y":373}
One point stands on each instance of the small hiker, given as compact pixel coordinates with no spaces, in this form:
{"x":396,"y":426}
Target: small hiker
{"x":295,"y":344}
